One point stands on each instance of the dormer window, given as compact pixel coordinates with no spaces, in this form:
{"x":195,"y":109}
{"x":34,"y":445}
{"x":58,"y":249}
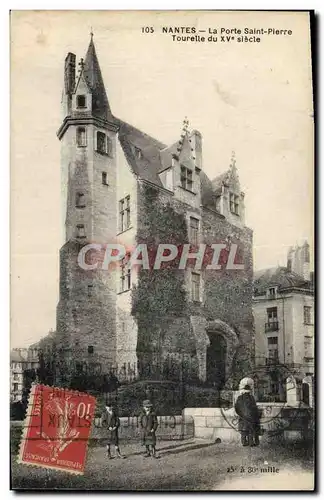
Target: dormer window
{"x":138,"y":153}
{"x":186,"y":178}
{"x":272,"y":292}
{"x":234,"y":203}
{"x":81,"y":101}
{"x":81,"y":137}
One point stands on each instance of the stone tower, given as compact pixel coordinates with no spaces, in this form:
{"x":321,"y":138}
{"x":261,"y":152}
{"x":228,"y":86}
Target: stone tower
{"x":86,"y":309}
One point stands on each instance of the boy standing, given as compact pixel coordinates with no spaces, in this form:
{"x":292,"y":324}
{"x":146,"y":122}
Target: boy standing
{"x":149,"y":424}
{"x":111,"y":421}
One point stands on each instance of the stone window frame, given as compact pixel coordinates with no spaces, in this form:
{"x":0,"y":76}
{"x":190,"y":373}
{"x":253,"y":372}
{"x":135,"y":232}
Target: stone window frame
{"x":272,"y":315}
{"x":124,"y":214}
{"x":81,"y":137}
{"x":83,"y":99}
{"x":194,"y":232}
{"x":194,"y":215}
{"x":80,"y":199}
{"x":186,"y":178}
{"x":125,"y":276}
{"x":308,"y":315}
{"x":192,"y":292}
{"x":138,"y":153}
{"x":104,"y":144}
{"x":80,"y":231}
{"x":104,"y":178}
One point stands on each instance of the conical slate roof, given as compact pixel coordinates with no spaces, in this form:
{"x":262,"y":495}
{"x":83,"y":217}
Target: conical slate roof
{"x":92,"y":73}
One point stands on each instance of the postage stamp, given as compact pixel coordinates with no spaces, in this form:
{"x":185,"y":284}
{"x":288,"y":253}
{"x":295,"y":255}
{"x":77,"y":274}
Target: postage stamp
{"x":57,"y":429}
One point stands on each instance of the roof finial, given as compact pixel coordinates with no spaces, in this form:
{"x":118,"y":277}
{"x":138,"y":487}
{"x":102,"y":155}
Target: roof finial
{"x":184,"y":133}
{"x":91,"y":34}
{"x":81,"y":64}
{"x":233,"y":159}
{"x":185,"y":125}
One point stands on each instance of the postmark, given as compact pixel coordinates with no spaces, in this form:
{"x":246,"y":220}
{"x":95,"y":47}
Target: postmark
{"x":57,"y":429}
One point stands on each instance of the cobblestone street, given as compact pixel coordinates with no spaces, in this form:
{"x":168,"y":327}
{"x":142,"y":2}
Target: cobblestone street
{"x":189,"y":465}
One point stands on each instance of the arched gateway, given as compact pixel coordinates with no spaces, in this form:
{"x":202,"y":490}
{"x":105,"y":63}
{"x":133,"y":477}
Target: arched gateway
{"x":216,"y":343}
{"x":219,"y":353}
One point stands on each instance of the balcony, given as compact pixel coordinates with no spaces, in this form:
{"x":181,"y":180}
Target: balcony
{"x":272,"y":361}
{"x":272,"y":327}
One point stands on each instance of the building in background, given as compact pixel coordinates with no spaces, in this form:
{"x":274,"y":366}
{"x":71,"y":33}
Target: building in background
{"x":21,"y":360}
{"x":283,"y":308}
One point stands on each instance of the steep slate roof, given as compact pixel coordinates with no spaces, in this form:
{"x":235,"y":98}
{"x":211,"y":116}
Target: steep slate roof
{"x":220,"y":180}
{"x":149,"y":165}
{"x":208,"y":194}
{"x":155,"y":156}
{"x":278,"y":276}
{"x":93,"y":77}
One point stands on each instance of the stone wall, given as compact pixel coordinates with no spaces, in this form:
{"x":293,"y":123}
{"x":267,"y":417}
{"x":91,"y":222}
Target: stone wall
{"x":278,"y":422}
{"x":169,"y":322}
{"x":170,"y":428}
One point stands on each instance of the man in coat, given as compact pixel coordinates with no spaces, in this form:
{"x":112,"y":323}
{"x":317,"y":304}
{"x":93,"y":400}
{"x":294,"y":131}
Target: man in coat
{"x":249,"y":420}
{"x":149,"y":423}
{"x":111,"y":422}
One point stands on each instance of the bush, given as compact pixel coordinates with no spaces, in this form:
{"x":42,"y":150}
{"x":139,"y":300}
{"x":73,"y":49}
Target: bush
{"x":168,"y":398}
{"x":17,"y":410}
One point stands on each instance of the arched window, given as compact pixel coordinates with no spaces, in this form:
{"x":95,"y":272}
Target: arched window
{"x":81,"y":137}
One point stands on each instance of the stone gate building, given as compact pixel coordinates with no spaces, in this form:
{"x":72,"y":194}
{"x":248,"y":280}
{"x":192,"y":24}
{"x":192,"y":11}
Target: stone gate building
{"x":120,"y":185}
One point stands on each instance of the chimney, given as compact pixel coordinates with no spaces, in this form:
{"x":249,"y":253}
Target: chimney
{"x":69,"y":73}
{"x":306,"y":261}
{"x":196,"y":144}
{"x":298,"y":260}
{"x":290,"y":257}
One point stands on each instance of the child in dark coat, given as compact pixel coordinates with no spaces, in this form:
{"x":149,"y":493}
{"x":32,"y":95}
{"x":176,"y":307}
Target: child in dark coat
{"x":249,"y":419}
{"x":149,"y":424}
{"x":111,"y":422}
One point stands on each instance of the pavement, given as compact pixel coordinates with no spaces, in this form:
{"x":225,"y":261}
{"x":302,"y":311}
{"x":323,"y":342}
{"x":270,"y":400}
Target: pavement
{"x":191,"y":465}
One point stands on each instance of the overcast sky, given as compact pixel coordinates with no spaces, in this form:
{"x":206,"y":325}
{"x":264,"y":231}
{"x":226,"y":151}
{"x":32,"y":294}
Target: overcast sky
{"x":255,"y":99}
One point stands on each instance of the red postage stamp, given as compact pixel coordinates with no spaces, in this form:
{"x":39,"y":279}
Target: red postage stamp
{"x":57,"y":429}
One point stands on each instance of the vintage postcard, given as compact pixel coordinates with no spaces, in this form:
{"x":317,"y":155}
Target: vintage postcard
{"x":162,"y":251}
